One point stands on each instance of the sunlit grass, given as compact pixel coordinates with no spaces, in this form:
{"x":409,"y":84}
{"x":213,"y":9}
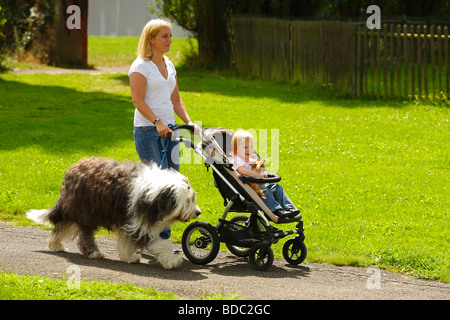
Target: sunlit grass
{"x":23,"y":287}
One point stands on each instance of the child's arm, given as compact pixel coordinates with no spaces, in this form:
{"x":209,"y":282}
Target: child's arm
{"x":243,"y":171}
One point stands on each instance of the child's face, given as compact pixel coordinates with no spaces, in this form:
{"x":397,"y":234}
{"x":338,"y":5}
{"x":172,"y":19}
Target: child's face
{"x":245,"y":149}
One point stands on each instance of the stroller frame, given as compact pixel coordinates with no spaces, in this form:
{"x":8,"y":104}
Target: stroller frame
{"x":243,"y":235}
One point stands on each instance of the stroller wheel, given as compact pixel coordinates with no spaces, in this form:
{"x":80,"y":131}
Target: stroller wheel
{"x":261,"y":256}
{"x":200,"y":242}
{"x":294,"y":251}
{"x":239,"y":251}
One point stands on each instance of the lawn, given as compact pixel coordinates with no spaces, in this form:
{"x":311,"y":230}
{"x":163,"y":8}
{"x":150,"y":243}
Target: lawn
{"x":371,"y":177}
{"x":20,"y":287}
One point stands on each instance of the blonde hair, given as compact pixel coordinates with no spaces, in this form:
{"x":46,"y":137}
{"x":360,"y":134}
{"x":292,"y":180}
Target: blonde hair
{"x":151,"y":29}
{"x":239,"y":140}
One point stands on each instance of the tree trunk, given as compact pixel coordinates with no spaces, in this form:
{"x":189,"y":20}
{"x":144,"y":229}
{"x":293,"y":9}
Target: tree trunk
{"x":211,"y":31}
{"x":69,"y":40}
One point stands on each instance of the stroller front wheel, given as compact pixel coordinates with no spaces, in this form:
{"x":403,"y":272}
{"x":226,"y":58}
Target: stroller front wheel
{"x":200,"y":242}
{"x":294,"y":251}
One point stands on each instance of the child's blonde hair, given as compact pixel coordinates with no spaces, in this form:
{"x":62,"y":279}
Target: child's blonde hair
{"x":151,"y":29}
{"x":239,"y":140}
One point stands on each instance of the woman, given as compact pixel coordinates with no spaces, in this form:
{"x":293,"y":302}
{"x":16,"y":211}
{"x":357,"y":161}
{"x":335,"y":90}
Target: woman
{"x":155,"y":95}
{"x":154,"y":90}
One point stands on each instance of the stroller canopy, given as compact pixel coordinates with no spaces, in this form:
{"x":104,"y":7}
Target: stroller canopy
{"x":216,"y":144}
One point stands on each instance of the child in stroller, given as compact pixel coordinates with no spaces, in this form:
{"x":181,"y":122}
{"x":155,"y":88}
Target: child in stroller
{"x":243,"y":158}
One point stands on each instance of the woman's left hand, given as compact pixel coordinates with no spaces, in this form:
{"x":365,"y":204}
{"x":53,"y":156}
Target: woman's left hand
{"x":197,"y":128}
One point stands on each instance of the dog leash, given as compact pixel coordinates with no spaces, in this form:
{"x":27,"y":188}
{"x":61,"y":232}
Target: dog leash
{"x":163,"y":152}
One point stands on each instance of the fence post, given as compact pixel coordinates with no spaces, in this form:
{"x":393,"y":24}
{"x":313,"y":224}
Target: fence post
{"x":359,"y":64}
{"x":433,"y":61}
{"x":405,"y":59}
{"x":372,"y":60}
{"x":363,"y":81}
{"x":378,"y":48}
{"x":391,"y":60}
{"x":413,"y":62}
{"x":290,"y":53}
{"x":447,"y":63}
{"x":385,"y":59}
{"x":419,"y":61}
{"x":399,"y":59}
{"x":439,"y":48}
{"x":425,"y":60}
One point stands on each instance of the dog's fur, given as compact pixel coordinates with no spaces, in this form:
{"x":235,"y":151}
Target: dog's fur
{"x":137,"y":201}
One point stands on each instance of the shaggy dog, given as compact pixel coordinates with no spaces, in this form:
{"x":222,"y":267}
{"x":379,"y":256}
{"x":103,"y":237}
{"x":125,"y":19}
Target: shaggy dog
{"x":137,"y":201}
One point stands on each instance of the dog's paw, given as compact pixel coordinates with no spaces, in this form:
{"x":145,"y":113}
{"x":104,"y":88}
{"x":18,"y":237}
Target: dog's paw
{"x":56,"y":246}
{"x":96,"y":255}
{"x":134,"y":258}
{"x":174,"y":261}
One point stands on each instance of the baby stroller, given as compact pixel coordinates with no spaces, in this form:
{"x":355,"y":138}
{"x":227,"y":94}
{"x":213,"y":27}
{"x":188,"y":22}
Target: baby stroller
{"x":244,"y":235}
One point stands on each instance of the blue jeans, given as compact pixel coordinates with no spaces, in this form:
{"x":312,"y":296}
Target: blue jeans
{"x":276,"y":198}
{"x":150,"y":146}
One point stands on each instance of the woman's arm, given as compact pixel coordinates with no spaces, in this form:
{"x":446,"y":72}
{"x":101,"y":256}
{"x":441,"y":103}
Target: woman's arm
{"x":180,"y":108}
{"x":137,"y":85}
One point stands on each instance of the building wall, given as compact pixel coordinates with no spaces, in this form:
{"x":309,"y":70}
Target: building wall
{"x":122,"y":18}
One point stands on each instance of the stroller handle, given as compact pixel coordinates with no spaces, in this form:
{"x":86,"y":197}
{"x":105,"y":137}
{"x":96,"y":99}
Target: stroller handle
{"x":184,"y":126}
{"x":188,"y":143}
{"x":181,"y":126}
{"x":271,"y":178}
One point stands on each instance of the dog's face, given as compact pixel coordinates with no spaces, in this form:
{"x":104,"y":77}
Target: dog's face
{"x":163,"y":196}
{"x":187,"y":208}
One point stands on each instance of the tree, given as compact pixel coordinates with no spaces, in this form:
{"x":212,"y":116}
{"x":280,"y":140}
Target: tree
{"x":2,"y":21}
{"x":207,"y":20}
{"x":22,"y":23}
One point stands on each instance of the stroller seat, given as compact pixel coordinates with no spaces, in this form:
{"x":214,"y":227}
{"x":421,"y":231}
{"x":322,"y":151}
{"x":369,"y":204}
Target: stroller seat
{"x":220,"y":150}
{"x":252,"y":201}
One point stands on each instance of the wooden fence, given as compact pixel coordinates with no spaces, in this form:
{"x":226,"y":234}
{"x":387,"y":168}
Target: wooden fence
{"x":409,"y":61}
{"x":395,"y":61}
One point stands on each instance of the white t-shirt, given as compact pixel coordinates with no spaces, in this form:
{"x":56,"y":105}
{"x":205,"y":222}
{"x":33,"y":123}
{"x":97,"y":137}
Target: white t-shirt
{"x":157,"y":92}
{"x":239,"y":162}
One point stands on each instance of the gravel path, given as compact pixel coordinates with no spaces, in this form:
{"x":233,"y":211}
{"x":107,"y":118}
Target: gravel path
{"x":24,"y":250}
{"x":54,"y":70}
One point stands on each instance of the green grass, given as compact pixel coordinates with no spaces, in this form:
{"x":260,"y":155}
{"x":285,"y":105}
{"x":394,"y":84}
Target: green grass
{"x":121,"y":51}
{"x":371,"y":177}
{"x":21,"y":287}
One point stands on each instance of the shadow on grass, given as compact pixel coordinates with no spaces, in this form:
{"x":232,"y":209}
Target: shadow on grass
{"x":285,"y":92}
{"x":62,"y":120}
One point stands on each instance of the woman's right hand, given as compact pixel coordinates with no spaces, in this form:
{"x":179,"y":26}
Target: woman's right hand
{"x":163,"y":130}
